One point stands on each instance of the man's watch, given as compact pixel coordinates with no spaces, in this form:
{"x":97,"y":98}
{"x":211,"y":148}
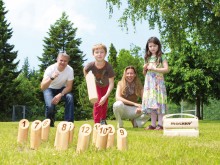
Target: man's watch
{"x":52,"y":78}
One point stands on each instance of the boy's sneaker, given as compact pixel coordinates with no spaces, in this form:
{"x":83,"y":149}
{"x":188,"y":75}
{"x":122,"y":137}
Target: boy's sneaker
{"x":103,"y":122}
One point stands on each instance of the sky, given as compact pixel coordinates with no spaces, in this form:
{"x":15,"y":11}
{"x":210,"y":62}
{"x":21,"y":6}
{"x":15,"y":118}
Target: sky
{"x":30,"y":21}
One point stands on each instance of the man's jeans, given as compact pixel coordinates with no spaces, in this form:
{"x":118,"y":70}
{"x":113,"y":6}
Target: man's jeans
{"x":49,"y":94}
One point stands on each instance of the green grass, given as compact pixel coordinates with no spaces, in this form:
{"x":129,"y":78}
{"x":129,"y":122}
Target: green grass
{"x":144,"y":147}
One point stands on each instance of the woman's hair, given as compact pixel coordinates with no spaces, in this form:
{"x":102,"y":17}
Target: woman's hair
{"x":137,"y":82}
{"x":159,"y":53}
{"x":99,"y":46}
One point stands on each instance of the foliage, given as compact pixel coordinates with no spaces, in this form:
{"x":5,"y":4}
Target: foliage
{"x":8,"y":65}
{"x":112,"y":58}
{"x":26,"y":69}
{"x":130,"y":57}
{"x":188,"y":30}
{"x":62,"y":37}
{"x":212,"y":110}
{"x":163,"y":150}
{"x":171,"y":17}
{"x":192,"y":72}
{"x":28,"y":92}
{"x":86,"y":106}
{"x":111,"y":101}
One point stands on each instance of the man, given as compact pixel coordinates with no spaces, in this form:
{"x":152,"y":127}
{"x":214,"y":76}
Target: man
{"x":57,"y":85}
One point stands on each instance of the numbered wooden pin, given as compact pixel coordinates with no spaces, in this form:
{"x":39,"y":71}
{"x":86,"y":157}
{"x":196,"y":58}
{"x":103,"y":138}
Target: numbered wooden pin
{"x":35,"y":138}
{"x":84,"y":137}
{"x":57,"y":134}
{"x":122,"y":139}
{"x":63,"y":135}
{"x":23,"y":131}
{"x":94,"y":133}
{"x":45,"y":129}
{"x":102,"y":137}
{"x":71,"y":132}
{"x":91,"y":87}
{"x":56,"y":137}
{"x":111,"y":136}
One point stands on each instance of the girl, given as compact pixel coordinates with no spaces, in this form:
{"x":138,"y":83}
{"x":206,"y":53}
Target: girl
{"x":154,"y":96}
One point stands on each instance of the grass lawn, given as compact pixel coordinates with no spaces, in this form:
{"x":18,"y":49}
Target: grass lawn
{"x":144,"y":147}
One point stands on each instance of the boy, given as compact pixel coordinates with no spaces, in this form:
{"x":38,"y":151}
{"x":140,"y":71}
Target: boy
{"x":104,"y":76}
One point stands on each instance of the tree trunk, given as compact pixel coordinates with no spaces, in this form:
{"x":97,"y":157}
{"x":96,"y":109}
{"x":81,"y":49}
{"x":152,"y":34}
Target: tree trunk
{"x":201,"y":110}
{"x":198,"y":107}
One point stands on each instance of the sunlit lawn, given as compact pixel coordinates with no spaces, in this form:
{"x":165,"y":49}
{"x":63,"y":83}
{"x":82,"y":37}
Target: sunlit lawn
{"x":144,"y":147}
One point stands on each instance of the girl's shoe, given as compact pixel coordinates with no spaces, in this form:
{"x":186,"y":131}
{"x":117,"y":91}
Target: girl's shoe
{"x":159,"y":127}
{"x":150,"y":127}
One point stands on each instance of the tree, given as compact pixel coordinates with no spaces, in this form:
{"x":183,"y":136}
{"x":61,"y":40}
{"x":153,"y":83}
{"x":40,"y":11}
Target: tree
{"x":8,"y":67}
{"x":130,"y":57}
{"x":202,"y":16}
{"x":26,"y":68}
{"x":190,"y":76}
{"x":27,"y":92}
{"x":188,"y":30}
{"x":87,"y":107}
{"x":62,"y":37}
{"x":112,"y":57}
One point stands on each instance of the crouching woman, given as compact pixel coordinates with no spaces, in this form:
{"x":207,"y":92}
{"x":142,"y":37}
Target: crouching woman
{"x":129,"y":89}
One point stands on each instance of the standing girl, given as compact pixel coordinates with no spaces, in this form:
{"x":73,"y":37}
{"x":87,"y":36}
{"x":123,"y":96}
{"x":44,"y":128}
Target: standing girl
{"x":154,"y":97}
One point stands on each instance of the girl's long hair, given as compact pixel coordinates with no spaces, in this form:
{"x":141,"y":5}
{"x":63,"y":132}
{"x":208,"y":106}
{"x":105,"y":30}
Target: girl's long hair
{"x":159,"y":53}
{"x":137,"y":82}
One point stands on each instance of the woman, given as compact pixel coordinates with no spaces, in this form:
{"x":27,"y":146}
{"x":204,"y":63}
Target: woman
{"x":129,"y":89}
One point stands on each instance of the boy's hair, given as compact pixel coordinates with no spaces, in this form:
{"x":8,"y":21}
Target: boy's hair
{"x":99,"y":46}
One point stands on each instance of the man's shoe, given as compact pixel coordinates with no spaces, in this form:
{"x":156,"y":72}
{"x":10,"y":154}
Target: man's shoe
{"x":51,"y":123}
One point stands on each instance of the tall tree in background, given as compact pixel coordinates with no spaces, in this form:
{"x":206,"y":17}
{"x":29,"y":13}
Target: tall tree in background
{"x":26,"y":68}
{"x":62,"y":37}
{"x":8,"y":67}
{"x":112,"y":57}
{"x":186,"y":27}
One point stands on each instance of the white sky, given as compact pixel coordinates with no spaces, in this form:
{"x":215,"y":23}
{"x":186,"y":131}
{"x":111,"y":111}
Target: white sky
{"x":31,"y":19}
